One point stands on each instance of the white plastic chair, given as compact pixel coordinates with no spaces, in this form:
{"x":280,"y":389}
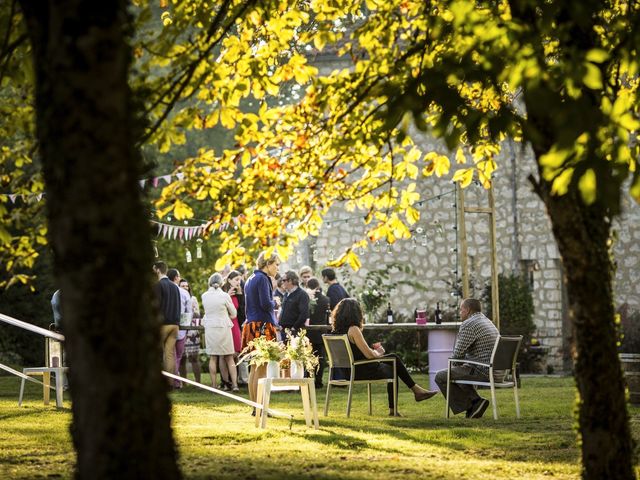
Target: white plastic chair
{"x":503,"y":359}
{"x":340,"y":355}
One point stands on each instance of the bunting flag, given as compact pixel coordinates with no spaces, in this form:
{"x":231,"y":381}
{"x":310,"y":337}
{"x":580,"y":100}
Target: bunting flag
{"x":155,"y":182}
{"x":176,"y":232}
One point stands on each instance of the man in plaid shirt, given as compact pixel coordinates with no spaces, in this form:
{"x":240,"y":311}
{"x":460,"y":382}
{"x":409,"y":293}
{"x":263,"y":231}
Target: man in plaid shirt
{"x":475,"y":342}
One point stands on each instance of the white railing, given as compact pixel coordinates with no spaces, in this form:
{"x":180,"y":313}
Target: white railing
{"x":57,"y":336}
{"x":31,"y":328}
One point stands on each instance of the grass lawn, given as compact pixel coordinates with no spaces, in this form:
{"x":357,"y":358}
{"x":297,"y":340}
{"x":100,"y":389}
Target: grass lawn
{"x":217,"y":437}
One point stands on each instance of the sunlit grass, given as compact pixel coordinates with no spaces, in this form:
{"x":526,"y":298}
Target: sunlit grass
{"x":217,"y":437}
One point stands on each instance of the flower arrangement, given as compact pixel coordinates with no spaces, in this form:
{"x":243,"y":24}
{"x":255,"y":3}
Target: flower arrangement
{"x":260,"y":350}
{"x":300,"y":349}
{"x":372,"y":300}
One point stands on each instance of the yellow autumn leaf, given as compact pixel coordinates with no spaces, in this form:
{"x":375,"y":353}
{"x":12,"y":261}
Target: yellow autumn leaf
{"x":181,"y":210}
{"x":228,"y":117}
{"x":635,"y":189}
{"x":464,"y":176}
{"x":413,"y":215}
{"x":442,"y":165}
{"x":587,"y":186}
{"x":460,"y":157}
{"x":560,"y":184}
{"x":593,"y":76}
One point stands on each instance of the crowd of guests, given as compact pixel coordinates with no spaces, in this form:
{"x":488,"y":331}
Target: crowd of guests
{"x":236,"y":310}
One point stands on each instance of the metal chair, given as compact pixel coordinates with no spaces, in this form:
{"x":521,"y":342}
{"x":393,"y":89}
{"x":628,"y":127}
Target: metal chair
{"x":340,"y":355}
{"x":503,"y":360}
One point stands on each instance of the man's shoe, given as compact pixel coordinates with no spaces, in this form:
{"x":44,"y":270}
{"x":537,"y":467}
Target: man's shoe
{"x":478,"y":408}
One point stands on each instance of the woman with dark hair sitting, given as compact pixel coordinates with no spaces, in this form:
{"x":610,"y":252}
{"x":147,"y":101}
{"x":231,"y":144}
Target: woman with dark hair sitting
{"x":347,"y":319}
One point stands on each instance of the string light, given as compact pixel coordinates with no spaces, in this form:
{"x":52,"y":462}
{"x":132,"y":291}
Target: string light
{"x":298,"y":257}
{"x":376,"y":246}
{"x":188,"y":255}
{"x":199,"y":248}
{"x":331,"y":255}
{"x":155,"y":249}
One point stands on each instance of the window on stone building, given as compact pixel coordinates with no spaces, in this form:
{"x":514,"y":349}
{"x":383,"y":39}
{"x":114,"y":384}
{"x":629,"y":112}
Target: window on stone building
{"x":528,"y":267}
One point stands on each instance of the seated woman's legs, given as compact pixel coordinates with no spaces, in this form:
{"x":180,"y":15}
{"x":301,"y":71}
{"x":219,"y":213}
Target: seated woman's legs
{"x":385,"y":370}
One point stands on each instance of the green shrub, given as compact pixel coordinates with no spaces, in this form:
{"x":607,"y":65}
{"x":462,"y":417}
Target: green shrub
{"x":516,"y":317}
{"x":629,"y":329}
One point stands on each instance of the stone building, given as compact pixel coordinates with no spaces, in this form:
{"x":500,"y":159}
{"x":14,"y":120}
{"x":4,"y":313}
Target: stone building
{"x":525,"y":242}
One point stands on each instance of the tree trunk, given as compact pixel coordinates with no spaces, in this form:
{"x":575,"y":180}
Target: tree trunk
{"x":582,"y":233}
{"x":100,"y":236}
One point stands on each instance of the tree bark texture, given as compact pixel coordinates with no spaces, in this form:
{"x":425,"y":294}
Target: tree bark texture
{"x":100,"y":235}
{"x":582,"y":233}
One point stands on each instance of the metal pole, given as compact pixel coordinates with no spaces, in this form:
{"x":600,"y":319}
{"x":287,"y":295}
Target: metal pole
{"x":495,"y":298}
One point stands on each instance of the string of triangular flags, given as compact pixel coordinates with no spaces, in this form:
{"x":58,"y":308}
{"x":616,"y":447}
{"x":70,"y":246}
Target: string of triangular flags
{"x":187,"y":232}
{"x":176,"y":232}
{"x":153,"y":181}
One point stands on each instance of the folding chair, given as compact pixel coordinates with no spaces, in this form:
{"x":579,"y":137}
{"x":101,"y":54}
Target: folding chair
{"x":503,"y":358}
{"x":340,"y":355}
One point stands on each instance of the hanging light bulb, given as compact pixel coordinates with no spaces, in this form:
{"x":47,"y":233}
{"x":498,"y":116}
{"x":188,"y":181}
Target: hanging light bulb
{"x":199,"y":248}
{"x":188,"y":255}
{"x":314,"y":253}
{"x":424,"y":240}
{"x":389,"y":249}
{"x":331,"y":255}
{"x":155,"y":249}
{"x":376,"y":246}
{"x":298,"y":257}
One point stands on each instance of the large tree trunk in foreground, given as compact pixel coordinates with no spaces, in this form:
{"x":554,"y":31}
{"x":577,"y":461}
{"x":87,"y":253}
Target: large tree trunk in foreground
{"x":582,"y":233}
{"x":101,"y":238}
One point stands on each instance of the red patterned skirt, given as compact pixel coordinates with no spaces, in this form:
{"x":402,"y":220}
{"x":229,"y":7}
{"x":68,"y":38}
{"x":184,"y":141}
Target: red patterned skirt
{"x":253,"y":330}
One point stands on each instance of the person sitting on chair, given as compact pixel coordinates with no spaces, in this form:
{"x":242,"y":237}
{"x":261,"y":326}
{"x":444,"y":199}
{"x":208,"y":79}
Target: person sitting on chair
{"x":475,"y":342}
{"x":347,"y":319}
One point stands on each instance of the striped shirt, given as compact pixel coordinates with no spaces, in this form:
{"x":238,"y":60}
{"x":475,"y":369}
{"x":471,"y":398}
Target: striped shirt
{"x":476,"y":339}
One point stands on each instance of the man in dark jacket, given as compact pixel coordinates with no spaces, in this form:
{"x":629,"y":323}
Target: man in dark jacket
{"x":168,"y":294}
{"x":335,"y":291}
{"x":295,"y":305}
{"x":318,"y":315}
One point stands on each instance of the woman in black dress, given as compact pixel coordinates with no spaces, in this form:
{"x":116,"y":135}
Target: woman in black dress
{"x":347,"y":319}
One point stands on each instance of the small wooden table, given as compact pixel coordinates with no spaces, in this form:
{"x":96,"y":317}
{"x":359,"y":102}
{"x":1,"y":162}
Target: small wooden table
{"x":307,"y":391}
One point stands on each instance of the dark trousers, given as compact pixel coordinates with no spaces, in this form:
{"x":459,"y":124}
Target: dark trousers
{"x":318,"y":350}
{"x":379,"y":371}
{"x":462,"y":396}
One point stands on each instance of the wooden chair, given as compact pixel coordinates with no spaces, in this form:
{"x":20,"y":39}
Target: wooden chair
{"x":503,"y":358}
{"x":340,"y":355}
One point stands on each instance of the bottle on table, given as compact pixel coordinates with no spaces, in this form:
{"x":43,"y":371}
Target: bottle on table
{"x":389,"y":314}
{"x":438,"y":314}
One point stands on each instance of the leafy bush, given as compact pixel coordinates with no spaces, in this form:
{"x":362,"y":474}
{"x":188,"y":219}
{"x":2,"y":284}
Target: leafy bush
{"x":516,"y":317}
{"x":377,"y":287}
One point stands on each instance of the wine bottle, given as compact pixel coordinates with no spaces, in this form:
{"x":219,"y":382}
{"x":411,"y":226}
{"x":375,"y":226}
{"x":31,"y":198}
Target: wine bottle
{"x":328,"y":317}
{"x":389,"y":314}
{"x":438,"y":314}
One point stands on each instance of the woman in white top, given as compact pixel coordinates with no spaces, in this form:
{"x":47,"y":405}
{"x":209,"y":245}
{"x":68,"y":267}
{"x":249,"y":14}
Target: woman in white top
{"x":218,"y":312}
